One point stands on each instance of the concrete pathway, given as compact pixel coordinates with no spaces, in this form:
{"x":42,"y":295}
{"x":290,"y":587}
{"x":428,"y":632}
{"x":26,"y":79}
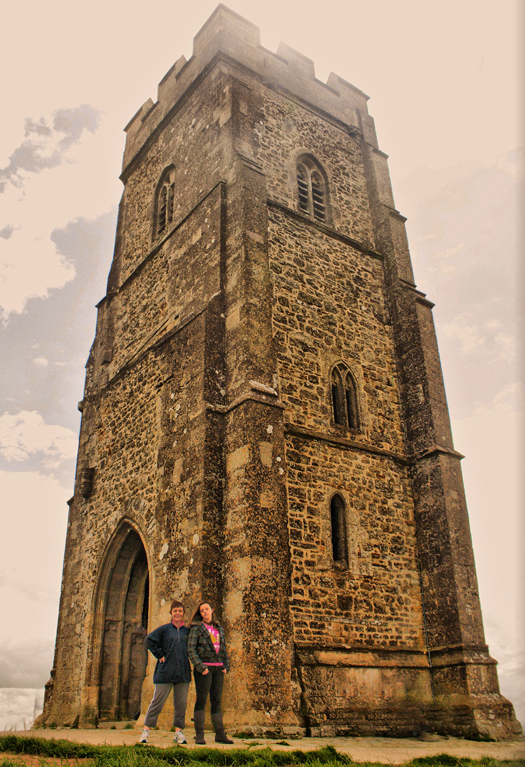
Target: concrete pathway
{"x":385,"y":750}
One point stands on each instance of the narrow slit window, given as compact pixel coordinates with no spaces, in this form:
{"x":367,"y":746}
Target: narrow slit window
{"x":338,"y":525}
{"x":318,"y":197}
{"x":163,"y":205}
{"x":165,"y":202}
{"x":337,"y":405}
{"x":302,"y":188}
{"x":351,"y":403}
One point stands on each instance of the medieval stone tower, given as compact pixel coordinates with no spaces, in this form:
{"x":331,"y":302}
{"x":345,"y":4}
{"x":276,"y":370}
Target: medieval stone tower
{"x":265,"y":425}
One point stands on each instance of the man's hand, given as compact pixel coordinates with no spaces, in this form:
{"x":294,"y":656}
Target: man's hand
{"x":162,"y":660}
{"x":206,"y":671}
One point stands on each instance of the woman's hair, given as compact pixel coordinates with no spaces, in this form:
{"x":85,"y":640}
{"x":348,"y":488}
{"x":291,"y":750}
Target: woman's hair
{"x":175,"y":604}
{"x":197,"y":618}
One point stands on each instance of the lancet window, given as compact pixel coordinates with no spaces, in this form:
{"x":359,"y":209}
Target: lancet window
{"x":344,"y":398}
{"x":312,"y":189}
{"x":165,"y":198}
{"x":338,"y":528}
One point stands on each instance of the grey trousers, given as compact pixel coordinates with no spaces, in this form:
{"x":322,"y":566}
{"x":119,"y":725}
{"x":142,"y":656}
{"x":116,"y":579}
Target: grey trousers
{"x":180,"y":698}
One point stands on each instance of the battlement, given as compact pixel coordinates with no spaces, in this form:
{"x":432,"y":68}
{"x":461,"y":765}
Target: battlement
{"x":228,"y":34}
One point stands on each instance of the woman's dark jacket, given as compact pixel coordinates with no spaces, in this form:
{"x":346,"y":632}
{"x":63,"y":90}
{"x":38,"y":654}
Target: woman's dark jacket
{"x":170,"y":643}
{"x":201,"y":649}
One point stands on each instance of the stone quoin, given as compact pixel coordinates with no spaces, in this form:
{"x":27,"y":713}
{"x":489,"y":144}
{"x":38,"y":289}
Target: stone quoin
{"x":265,"y":425}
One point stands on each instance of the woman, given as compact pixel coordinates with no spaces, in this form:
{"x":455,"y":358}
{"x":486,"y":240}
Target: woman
{"x":209,"y":658}
{"x":168,"y":643}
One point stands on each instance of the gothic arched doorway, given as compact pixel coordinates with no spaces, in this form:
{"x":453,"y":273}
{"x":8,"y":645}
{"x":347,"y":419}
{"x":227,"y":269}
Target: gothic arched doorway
{"x":125,"y":601}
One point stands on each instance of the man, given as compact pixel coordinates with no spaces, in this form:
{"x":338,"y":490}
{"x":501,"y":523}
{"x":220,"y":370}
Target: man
{"x":168,"y":644}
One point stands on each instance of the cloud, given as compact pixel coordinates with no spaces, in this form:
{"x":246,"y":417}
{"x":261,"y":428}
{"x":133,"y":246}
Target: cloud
{"x":508,"y":346}
{"x":439,"y":262}
{"x":512,"y":163}
{"x":34,"y":515}
{"x":510,"y":654}
{"x":35,"y":205}
{"x":26,"y":663}
{"x":492,"y":471}
{"x":477,"y":335}
{"x":21,"y":597}
{"x":34,"y":522}
{"x":36,"y":592}
{"x":509,"y":399}
{"x":20,"y":707}
{"x":30,"y":266}
{"x":26,"y":433}
{"x":465,"y":332}
{"x":46,"y":147}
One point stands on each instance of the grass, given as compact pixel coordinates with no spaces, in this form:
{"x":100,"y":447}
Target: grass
{"x":150,"y":756}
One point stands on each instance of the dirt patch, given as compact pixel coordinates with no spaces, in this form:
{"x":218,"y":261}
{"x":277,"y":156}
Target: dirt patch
{"x":32,"y":760}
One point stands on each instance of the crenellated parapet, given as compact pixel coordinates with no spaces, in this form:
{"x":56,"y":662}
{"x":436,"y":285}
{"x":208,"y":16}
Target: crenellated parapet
{"x":228,"y":35}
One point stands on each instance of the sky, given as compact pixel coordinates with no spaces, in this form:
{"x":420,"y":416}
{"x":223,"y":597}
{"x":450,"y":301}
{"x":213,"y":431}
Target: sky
{"x":444,"y":82}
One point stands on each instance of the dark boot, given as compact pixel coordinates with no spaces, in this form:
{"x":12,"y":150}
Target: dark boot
{"x":220,"y":735}
{"x":198,"y":719}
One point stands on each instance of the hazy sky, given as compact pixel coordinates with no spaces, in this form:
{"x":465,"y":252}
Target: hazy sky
{"x":443,"y":82}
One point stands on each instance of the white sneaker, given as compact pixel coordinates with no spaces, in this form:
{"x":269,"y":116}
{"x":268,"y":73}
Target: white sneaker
{"x":180,"y":738}
{"x":144,"y":736}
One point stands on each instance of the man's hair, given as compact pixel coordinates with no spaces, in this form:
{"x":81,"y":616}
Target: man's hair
{"x":175,"y":604}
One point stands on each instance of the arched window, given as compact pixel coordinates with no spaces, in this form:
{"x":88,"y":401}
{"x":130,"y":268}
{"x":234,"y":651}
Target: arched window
{"x":338,"y":525}
{"x":344,"y":398}
{"x":311,"y":189}
{"x":164,"y":202}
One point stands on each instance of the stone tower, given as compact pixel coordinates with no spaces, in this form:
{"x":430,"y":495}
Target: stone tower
{"x":265,"y":425}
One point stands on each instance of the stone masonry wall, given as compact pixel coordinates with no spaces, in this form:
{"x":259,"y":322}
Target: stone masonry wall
{"x":358,"y":627}
{"x":209,"y":454}
{"x":287,"y":130}
{"x":329,"y":307}
{"x":173,"y":284}
{"x":142,"y":433}
{"x":118,"y":441}
{"x":375,"y":602}
{"x":193,"y":144}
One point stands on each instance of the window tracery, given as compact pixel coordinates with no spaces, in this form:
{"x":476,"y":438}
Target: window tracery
{"x":344,"y":398}
{"x":311,"y":189}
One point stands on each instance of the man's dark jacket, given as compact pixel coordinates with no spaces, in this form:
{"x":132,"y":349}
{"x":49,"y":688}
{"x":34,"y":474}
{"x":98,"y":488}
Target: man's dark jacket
{"x":170,"y":643}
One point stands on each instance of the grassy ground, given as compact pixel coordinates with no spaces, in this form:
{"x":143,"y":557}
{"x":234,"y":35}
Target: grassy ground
{"x":38,"y":752}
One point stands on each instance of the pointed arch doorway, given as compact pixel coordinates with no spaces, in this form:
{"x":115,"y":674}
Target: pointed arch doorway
{"x":123,"y":600}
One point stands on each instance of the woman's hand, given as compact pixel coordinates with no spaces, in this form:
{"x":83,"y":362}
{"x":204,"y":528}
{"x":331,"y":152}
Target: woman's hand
{"x":225,"y":671}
